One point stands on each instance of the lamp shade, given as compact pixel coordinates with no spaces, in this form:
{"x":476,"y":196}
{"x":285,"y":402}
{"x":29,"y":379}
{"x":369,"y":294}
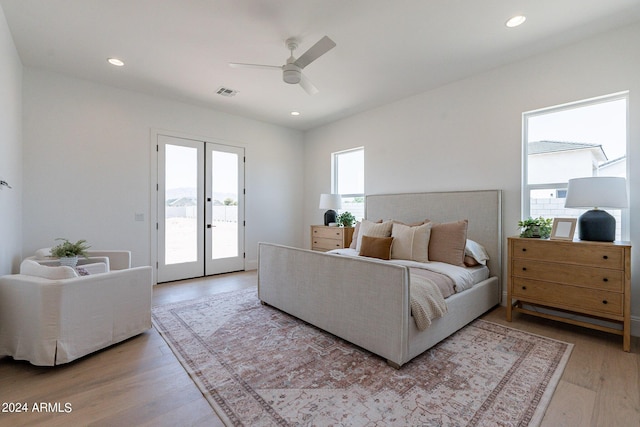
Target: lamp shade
{"x":597,"y":192}
{"x":330,"y":201}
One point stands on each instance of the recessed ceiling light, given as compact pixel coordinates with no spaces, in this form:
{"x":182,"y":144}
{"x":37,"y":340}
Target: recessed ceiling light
{"x":295,"y":113}
{"x":115,"y":61}
{"x":515,"y":21}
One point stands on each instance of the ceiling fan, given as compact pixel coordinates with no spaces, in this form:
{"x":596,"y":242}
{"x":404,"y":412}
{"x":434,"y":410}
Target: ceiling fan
{"x":292,"y":70}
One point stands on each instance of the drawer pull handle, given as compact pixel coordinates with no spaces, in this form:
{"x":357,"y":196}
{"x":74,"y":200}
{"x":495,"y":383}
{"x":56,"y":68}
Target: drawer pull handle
{"x":524,"y":268}
{"x":524,"y":249}
{"x":605,"y":257}
{"x":524,"y":288}
{"x":605,"y":280}
{"x":604,"y":301}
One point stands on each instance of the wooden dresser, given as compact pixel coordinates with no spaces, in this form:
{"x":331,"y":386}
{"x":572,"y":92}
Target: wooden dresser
{"x":591,"y":279}
{"x":325,"y":238}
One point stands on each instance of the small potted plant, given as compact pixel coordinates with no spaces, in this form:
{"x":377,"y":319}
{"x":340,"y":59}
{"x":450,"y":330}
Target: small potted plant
{"x":346,"y":219}
{"x":537,"y":228}
{"x":69,"y":252}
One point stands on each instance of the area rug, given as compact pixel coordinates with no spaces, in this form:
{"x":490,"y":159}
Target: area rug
{"x":258,"y":366}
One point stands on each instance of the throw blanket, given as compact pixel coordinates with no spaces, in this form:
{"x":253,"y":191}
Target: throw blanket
{"x":427,"y":302}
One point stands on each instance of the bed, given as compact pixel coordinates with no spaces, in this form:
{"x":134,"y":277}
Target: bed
{"x":367,"y":301}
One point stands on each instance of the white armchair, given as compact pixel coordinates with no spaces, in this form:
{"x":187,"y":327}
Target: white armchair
{"x":50,"y":321}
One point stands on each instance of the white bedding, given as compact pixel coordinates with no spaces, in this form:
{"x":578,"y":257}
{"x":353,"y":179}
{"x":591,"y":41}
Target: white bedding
{"x":463,"y":277}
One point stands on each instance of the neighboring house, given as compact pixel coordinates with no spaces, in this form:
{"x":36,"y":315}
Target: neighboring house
{"x":615,"y":167}
{"x":554,"y":162}
{"x":557,"y":161}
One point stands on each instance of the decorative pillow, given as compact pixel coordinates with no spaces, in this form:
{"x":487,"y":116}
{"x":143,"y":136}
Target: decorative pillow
{"x":476,"y":251}
{"x":411,"y":224}
{"x":373,"y":229}
{"x":447,"y":242}
{"x":470,"y":261}
{"x":376,"y":247}
{"x":32,"y":268}
{"x":354,"y":238}
{"x":44,"y":253}
{"x":411,"y":243}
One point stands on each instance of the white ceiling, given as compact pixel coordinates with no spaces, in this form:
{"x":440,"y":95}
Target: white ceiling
{"x":386,"y":50}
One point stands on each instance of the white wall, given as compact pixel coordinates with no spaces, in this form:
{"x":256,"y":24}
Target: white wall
{"x":467,"y":135}
{"x":10,"y":151}
{"x":87,"y":165}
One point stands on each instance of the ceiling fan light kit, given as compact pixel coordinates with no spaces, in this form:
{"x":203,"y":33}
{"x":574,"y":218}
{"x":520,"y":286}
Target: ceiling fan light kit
{"x":292,"y":70}
{"x":291,"y":74}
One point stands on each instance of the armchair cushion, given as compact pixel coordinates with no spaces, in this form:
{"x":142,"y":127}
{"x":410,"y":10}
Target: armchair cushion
{"x":32,"y":268}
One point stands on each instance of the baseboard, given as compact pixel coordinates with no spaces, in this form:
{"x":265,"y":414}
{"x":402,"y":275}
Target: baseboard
{"x":251,"y":265}
{"x":635,"y":320}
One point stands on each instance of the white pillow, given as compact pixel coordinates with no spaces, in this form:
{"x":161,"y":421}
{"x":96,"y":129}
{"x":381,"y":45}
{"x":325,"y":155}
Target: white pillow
{"x":373,"y":229}
{"x":411,"y":243}
{"x":32,"y":268}
{"x":44,"y":253}
{"x":476,"y":251}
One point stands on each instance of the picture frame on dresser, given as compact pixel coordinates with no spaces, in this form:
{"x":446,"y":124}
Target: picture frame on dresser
{"x":563,"y":228}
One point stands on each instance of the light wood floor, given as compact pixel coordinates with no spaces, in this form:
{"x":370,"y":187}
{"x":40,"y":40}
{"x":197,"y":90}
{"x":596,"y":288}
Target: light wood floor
{"x":141,"y":383}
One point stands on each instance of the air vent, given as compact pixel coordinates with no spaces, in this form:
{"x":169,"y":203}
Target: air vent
{"x":224,"y":91}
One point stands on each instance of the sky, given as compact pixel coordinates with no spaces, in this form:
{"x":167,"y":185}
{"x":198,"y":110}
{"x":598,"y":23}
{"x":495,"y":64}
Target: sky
{"x":182,"y":169}
{"x":603,"y":123}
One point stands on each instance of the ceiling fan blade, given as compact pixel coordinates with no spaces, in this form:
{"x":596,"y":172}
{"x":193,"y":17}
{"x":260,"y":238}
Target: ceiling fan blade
{"x":307,"y":85}
{"x":323,"y":46}
{"x":241,"y":65}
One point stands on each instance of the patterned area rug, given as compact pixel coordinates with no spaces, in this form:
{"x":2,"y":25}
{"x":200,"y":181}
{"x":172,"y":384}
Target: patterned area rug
{"x":258,"y":366}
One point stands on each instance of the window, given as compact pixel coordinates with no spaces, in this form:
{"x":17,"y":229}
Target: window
{"x":348,"y":180}
{"x":586,"y":138}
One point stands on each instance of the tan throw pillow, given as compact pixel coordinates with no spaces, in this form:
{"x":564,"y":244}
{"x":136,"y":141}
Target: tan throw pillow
{"x":376,"y":247}
{"x":373,"y":229}
{"x":411,"y":243}
{"x":447,"y":242}
{"x":470,"y":261}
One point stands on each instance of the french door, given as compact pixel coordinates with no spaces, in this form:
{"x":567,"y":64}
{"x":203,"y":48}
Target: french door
{"x":200,"y":208}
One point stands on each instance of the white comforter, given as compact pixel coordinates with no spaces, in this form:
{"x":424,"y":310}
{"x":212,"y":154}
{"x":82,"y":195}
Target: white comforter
{"x":461,"y":276}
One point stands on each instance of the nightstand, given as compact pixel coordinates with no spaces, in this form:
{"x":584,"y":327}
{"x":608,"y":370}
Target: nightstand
{"x":324,"y":238}
{"x":591,"y":279}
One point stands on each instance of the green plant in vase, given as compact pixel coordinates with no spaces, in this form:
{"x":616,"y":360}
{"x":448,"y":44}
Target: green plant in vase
{"x":535,"y":227}
{"x":346,"y":219}
{"x":69,"y":252}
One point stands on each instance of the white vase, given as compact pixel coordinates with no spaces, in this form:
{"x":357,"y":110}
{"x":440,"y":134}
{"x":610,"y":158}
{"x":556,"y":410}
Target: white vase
{"x":71,"y":261}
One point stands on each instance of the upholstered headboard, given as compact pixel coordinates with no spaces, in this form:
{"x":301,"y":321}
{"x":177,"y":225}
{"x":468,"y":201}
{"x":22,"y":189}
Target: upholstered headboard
{"x":483,"y":210}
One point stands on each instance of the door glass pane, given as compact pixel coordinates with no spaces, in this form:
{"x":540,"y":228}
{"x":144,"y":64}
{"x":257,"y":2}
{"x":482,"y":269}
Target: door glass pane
{"x":181,"y":202}
{"x":224,"y":185}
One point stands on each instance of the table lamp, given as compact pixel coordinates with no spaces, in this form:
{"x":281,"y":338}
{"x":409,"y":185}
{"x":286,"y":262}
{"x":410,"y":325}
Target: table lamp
{"x":597,"y":192}
{"x":330,"y":202}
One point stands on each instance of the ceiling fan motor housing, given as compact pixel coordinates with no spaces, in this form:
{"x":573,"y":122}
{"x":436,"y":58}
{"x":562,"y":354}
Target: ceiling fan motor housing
{"x":291,"y":74}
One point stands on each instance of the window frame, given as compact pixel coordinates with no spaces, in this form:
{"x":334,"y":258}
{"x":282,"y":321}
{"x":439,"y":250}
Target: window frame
{"x":335,"y":161}
{"x":527,"y":188}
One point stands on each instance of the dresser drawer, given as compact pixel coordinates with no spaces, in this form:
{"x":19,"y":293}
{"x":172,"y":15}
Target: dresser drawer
{"x":583,"y":300}
{"x":593,"y":255}
{"x":579,"y":275}
{"x":328,"y":232}
{"x":326,"y":244}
